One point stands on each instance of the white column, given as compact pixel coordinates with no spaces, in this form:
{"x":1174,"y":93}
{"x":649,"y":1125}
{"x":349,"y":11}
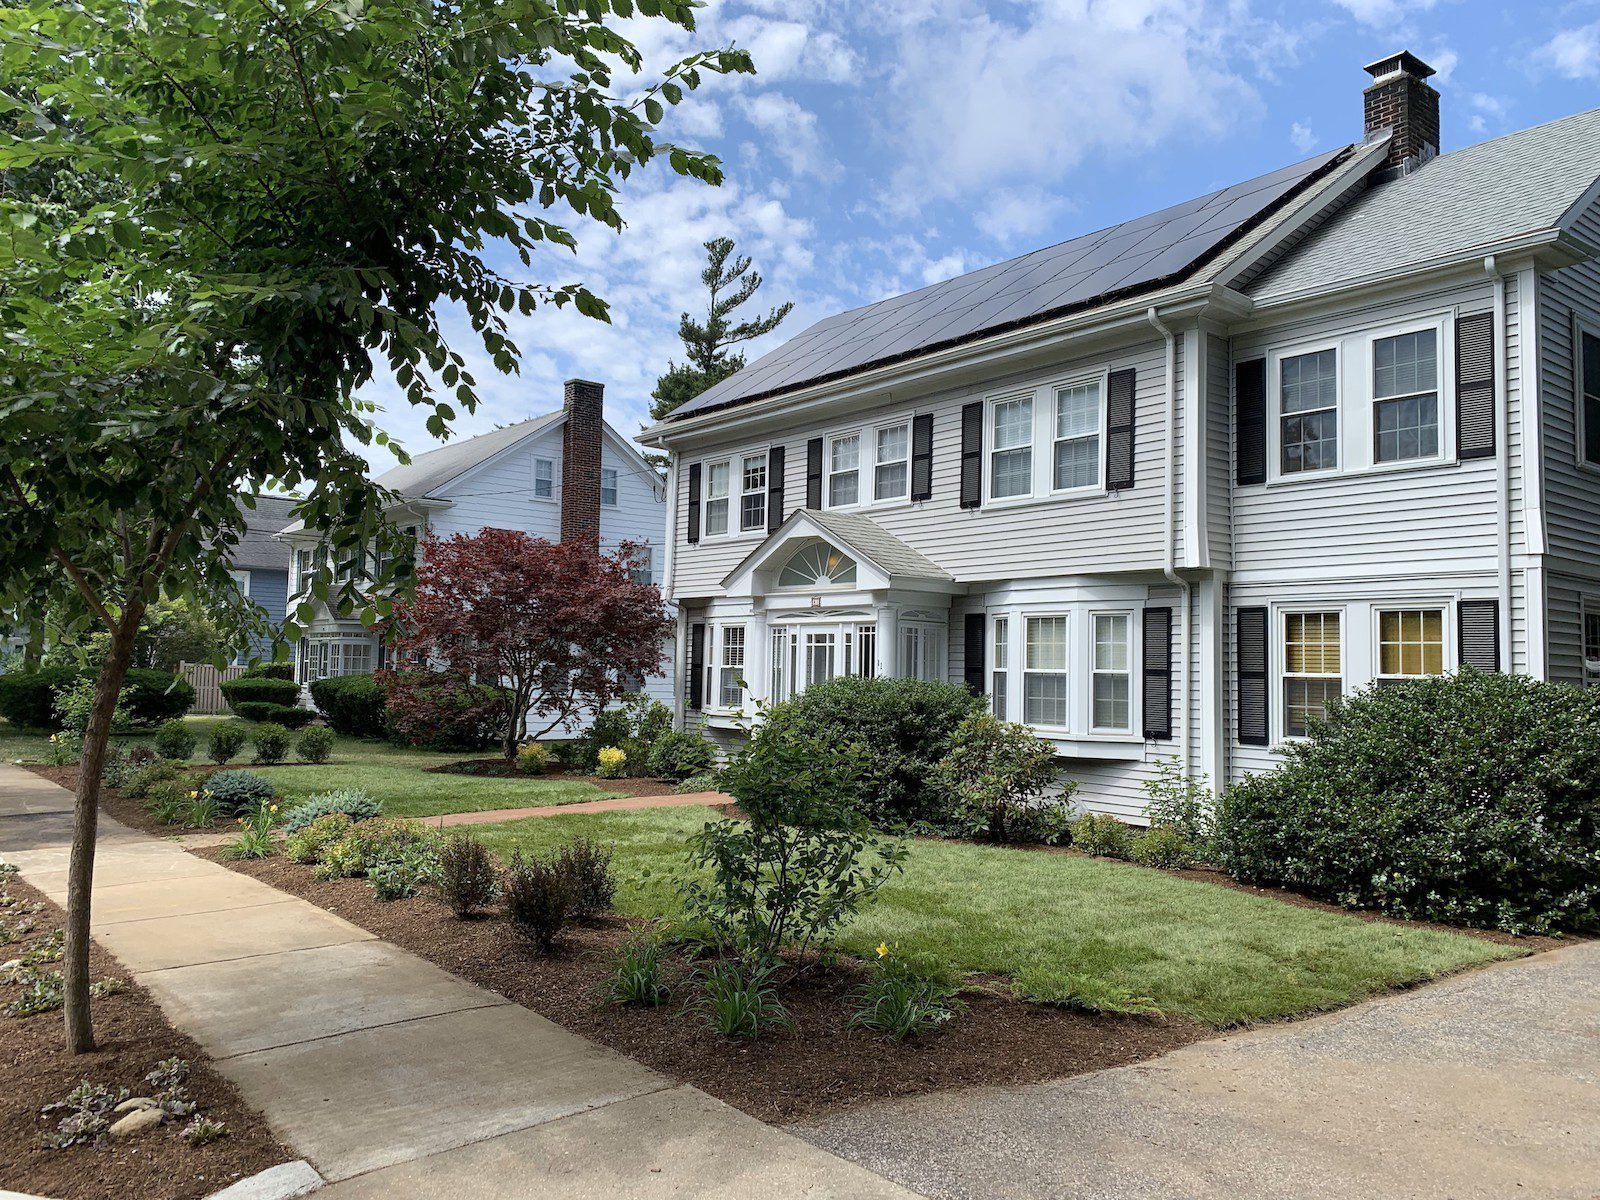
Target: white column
{"x":888,"y":640}
{"x":1210,"y":634}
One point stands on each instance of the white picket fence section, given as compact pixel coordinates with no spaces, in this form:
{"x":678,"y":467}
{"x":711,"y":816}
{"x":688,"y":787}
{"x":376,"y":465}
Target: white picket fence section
{"x":207,"y":682}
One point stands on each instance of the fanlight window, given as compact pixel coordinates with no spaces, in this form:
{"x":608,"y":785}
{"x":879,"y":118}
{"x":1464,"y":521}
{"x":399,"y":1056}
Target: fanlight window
{"x":817,"y":566}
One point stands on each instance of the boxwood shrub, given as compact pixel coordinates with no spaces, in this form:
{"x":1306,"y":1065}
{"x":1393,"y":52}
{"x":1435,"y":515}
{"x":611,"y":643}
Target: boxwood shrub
{"x":251,"y":689}
{"x":153,"y":697}
{"x":27,"y":699}
{"x":1472,"y":799}
{"x":904,"y":725}
{"x":355,"y":705}
{"x":277,"y":714}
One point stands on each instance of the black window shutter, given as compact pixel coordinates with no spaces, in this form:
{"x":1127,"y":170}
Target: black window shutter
{"x":1158,"y":673}
{"x":1475,"y":434}
{"x":1119,"y":430}
{"x":977,"y":629}
{"x":774,"y":488}
{"x":697,"y":666}
{"x":1250,"y":422}
{"x":922,"y":457}
{"x":1479,"y":622}
{"x":972,"y":454}
{"x":694,"y":503}
{"x":1252,"y":667}
{"x":814,"y":473}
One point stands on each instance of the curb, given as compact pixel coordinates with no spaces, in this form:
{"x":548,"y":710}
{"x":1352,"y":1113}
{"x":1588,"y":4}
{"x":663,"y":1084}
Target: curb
{"x":283,"y":1182}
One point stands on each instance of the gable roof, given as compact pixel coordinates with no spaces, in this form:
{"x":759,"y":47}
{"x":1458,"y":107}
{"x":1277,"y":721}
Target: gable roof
{"x":1471,"y":198}
{"x":259,"y":548}
{"x":1136,"y":256}
{"x":426,"y":473}
{"x":860,"y":535}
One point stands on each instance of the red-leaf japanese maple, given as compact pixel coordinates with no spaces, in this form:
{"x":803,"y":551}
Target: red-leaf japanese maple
{"x":560,"y":625}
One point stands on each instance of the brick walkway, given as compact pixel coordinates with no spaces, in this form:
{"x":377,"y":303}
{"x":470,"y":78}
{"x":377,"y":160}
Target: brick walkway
{"x":623,"y":804}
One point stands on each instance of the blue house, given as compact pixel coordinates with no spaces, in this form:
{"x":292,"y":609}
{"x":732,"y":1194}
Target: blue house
{"x":260,"y":563}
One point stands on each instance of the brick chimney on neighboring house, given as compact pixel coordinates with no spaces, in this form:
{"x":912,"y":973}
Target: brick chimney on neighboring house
{"x":580,"y":461}
{"x":1400,"y":101}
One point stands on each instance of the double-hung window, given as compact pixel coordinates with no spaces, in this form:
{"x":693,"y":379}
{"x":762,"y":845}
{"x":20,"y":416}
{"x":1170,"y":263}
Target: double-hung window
{"x":1405,"y":396}
{"x":999,"y":660}
{"x":1011,"y":453}
{"x":891,"y":472}
{"x":1591,"y":646}
{"x":1410,"y":642}
{"x":1077,"y":436}
{"x":1313,"y":671}
{"x":1044,"y":675}
{"x":642,"y":568}
{"x":753,"y":492}
{"x":1111,"y":686}
{"x":844,"y":471}
{"x":716,"y":499}
{"x":1308,"y":418}
{"x":730,"y":667}
{"x":608,"y":487}
{"x":1589,"y":402}
{"x":544,"y":478}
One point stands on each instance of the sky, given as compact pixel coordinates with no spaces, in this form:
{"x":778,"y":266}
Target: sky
{"x":887,"y":144}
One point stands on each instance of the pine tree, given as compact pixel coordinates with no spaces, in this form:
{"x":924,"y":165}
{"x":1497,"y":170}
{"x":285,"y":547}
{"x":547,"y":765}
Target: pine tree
{"x":707,"y":345}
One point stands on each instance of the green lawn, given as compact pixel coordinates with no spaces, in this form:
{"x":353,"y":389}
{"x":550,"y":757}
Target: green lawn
{"x":1067,"y":928}
{"x":28,"y":745}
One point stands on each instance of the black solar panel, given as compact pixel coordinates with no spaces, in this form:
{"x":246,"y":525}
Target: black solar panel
{"x":1144,"y":251}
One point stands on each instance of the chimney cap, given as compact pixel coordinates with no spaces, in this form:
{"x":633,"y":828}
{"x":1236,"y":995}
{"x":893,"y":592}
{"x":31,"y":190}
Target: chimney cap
{"x":1403,"y":63}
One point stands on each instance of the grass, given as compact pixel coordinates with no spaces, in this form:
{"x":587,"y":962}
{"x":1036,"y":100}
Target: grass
{"x":1070,"y":929}
{"x":395,"y":776}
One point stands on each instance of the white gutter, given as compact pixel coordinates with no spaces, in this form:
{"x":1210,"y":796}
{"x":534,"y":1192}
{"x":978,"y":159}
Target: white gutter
{"x":1169,"y":566}
{"x":1502,"y":461}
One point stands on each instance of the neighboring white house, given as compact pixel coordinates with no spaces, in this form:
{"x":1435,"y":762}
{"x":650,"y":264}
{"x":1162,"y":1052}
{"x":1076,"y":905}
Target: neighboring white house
{"x":556,"y":476}
{"x":1164,"y":489}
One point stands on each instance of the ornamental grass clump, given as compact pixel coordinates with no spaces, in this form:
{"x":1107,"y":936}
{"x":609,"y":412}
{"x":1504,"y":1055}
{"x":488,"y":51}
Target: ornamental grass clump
{"x":638,"y":975}
{"x":739,"y":996}
{"x":901,"y":1001}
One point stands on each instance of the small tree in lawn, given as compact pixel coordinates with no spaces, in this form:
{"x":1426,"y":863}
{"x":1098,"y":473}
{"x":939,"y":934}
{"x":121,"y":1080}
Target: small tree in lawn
{"x":558,"y":624}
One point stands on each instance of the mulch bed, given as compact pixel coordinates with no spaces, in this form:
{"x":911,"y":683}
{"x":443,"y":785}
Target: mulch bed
{"x":819,"y":1067}
{"x":36,"y":1070}
{"x":499,"y":768}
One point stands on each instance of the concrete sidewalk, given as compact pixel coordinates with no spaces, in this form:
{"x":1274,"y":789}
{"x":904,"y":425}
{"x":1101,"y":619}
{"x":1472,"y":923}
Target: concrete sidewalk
{"x":1484,"y":1086}
{"x":386,"y":1072}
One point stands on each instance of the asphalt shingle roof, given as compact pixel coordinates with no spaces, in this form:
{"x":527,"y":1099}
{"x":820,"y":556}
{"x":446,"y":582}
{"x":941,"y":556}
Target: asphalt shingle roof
{"x":875,"y":543}
{"x":428,"y":472}
{"x":258,"y":548}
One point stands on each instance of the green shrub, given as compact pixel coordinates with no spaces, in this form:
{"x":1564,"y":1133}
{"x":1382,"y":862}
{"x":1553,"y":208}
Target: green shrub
{"x":1103,"y":835}
{"x":636,"y":977}
{"x":1182,"y":803}
{"x":466,"y":879}
{"x":711,"y":781}
{"x":739,"y":997}
{"x":532,"y":758}
{"x":679,"y":754}
{"x":271,"y":743}
{"x":993,"y":782}
{"x":1164,"y":847}
{"x":354,"y":705}
{"x":155,"y":696}
{"x":403,"y":877}
{"x":307,"y":843}
{"x":253,"y":689}
{"x":173,"y":740}
{"x":352,"y":802}
{"x":274,"y":714}
{"x":633,"y":726}
{"x":903,"y":727}
{"x":341,"y":860}
{"x":270,"y":670}
{"x":315,"y":745}
{"x":118,"y":767}
{"x":588,"y":864}
{"x":373,"y":843}
{"x":238,"y":791}
{"x":75,"y":703}
{"x":28,"y":698}
{"x":901,"y":1001}
{"x":441,"y":711}
{"x":539,"y":898}
{"x":613,"y":762}
{"x":227,"y":739}
{"x":147,"y":776}
{"x":168,"y":802}
{"x":1469,"y":798}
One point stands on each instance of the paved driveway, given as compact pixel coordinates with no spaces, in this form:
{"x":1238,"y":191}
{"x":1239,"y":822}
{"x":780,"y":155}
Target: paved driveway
{"x":1487,"y":1085}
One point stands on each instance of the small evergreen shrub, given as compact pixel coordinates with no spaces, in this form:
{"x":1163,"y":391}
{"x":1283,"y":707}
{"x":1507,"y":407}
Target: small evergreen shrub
{"x":173,"y":740}
{"x":270,"y":670}
{"x":236,"y":792}
{"x":271,"y":743}
{"x":1469,"y":798}
{"x":613,"y":761}
{"x":255,"y":689}
{"x":276,"y":714}
{"x":28,"y":698}
{"x":1103,"y":835}
{"x":709,"y":782}
{"x":146,"y":777}
{"x":315,"y":745}
{"x":155,"y":696}
{"x":354,"y":705}
{"x":1164,"y":847}
{"x":227,"y":739}
{"x":594,"y":884}
{"x":466,"y":879}
{"x":352,"y":802}
{"x":533,"y":758}
{"x":539,"y":898}
{"x":679,"y":754}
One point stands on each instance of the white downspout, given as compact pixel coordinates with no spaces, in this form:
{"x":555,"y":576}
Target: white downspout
{"x":1169,"y":565}
{"x":1502,"y":462}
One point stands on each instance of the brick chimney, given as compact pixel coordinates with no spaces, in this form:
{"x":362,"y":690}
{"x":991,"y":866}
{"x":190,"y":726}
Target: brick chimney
{"x":580,"y":461}
{"x":1400,"y":101}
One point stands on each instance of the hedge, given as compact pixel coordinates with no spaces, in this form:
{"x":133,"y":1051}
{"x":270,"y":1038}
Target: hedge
{"x":151,"y":697}
{"x":289,"y":716}
{"x":355,"y":705}
{"x":255,"y":689}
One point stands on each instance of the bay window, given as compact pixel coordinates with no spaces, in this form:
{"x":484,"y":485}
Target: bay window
{"x":1044,"y":675}
{"x":1405,"y":396}
{"x":1308,"y":421}
{"x":716,"y":507}
{"x":1011,"y":455}
{"x":730,"y":667}
{"x":1313,"y":671}
{"x":753,"y":492}
{"x":844,"y":471}
{"x":1077,"y":436}
{"x":1410,"y":642}
{"x":892,"y":469}
{"x":1111,"y":684}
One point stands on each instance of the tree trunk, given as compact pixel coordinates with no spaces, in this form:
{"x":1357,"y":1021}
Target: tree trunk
{"x":80,"y":868}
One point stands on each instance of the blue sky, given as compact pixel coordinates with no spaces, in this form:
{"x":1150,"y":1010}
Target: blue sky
{"x":888,"y":144}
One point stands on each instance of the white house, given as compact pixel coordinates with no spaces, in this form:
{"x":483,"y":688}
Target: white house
{"x":1163,"y":489}
{"x":557,"y":476}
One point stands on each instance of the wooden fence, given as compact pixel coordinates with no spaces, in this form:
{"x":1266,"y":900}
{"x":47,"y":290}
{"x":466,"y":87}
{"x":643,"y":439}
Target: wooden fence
{"x":207,"y":682}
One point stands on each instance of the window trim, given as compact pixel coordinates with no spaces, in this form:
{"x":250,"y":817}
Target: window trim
{"x":1042,"y":447}
{"x":1275,"y":413}
{"x":616,"y":487}
{"x":1095,"y":671}
{"x":730,"y":459}
{"x":829,"y":441}
{"x":1280,"y":656}
{"x":1101,"y":383}
{"x":1373,"y":399}
{"x":1066,"y":669}
{"x":548,"y":497}
{"x":1580,"y":327}
{"x":999,"y":665}
{"x":1588,"y":606}
{"x":716,"y":664}
{"x":744,"y":460}
{"x":1447,"y":649}
{"x":876,"y":432}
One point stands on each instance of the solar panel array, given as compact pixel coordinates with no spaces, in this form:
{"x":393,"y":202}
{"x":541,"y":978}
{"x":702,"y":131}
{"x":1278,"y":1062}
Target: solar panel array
{"x":1138,"y":252}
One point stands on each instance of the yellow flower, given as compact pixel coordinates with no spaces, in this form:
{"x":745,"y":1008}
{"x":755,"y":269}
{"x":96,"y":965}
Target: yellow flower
{"x":883,"y":949}
{"x":194,"y":795}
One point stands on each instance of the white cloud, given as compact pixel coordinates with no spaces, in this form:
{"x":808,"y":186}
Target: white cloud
{"x":1488,"y":112}
{"x":1010,"y":215}
{"x":794,"y":136}
{"x":1574,"y":53}
{"x":1385,"y":12}
{"x":1302,"y":138}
